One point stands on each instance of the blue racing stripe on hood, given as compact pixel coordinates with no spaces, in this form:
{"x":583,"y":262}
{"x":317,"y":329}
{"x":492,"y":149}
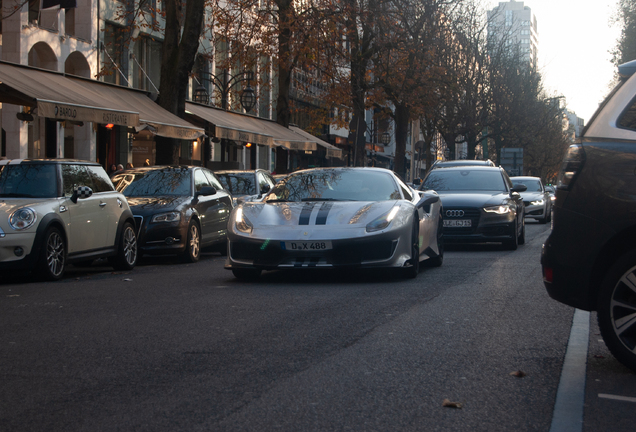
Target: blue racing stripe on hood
{"x":305,"y":214}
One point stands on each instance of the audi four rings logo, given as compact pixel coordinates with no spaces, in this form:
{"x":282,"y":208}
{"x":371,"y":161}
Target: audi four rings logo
{"x":454,"y":213}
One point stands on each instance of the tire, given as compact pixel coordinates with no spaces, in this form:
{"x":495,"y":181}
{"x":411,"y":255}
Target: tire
{"x":616,"y":305}
{"x":413,"y":270}
{"x":222,"y":248}
{"x":513,"y":243}
{"x":127,"y":253}
{"x":439,"y":259}
{"x":52,"y":262}
{"x":246,"y":273}
{"x":192,"y":252}
{"x":544,"y":220}
{"x":522,"y":237}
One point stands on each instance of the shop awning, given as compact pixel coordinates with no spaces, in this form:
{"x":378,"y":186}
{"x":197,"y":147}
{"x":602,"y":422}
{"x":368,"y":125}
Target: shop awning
{"x":57,"y":96}
{"x":246,"y":128}
{"x":332,"y":150}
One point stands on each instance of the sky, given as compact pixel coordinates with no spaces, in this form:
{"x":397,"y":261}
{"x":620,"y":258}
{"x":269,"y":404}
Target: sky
{"x":575,"y":38}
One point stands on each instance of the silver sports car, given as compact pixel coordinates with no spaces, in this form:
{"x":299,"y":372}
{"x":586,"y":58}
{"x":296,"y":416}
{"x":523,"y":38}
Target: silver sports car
{"x":337,"y":217}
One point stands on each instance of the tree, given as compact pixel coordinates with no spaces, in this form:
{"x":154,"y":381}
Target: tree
{"x":625,"y":17}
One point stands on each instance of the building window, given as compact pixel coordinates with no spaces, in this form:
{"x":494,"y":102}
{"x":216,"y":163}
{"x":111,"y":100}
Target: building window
{"x":114,"y":62}
{"x":147,"y":64}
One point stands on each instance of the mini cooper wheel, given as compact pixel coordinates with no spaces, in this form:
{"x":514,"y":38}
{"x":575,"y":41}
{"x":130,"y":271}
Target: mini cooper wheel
{"x":246,"y":273}
{"x":617,"y":309}
{"x":439,"y":259}
{"x":53,"y":257}
{"x":127,"y":254}
{"x":192,"y":251}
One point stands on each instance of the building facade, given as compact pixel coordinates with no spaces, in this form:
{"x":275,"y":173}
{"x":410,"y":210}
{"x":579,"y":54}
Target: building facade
{"x":515,"y":23}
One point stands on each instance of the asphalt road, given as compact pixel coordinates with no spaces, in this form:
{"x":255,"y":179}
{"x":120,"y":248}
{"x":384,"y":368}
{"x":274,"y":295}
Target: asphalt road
{"x":186,"y":347}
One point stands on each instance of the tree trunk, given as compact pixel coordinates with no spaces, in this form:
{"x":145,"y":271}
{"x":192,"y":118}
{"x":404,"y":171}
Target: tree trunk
{"x":179,"y":49}
{"x":285,"y":67}
{"x":402,"y":117}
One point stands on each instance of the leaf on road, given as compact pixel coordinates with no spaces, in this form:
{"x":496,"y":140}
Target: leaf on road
{"x":447,"y":403}
{"x":598,"y":356}
{"x":127,"y":280}
{"x":518,"y":374}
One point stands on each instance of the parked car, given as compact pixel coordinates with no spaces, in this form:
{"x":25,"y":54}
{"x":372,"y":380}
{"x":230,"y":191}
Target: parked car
{"x":177,"y":209}
{"x":481,"y":204}
{"x":60,"y":211}
{"x":246,"y":185}
{"x":550,"y":189}
{"x":462,"y":162}
{"x":536,"y":198}
{"x":337,"y":217}
{"x":589,"y":259}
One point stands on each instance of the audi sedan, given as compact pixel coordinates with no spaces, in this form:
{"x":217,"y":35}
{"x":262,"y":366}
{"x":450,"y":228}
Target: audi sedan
{"x":177,"y":209}
{"x":536,"y":198}
{"x":481,"y":204}
{"x":337,"y":217}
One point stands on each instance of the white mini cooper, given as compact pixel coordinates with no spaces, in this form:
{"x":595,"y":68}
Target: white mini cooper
{"x":59,"y":211}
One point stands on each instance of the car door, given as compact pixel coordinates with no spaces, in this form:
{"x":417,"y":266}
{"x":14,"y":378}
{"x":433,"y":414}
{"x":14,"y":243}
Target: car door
{"x":222,"y":207}
{"x":110,"y":201}
{"x":88,"y":219}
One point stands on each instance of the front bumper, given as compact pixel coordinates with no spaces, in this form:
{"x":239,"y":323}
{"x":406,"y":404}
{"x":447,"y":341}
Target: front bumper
{"x":536,"y":211}
{"x":22,"y":243}
{"x":163,"y":238}
{"x":382,"y":250}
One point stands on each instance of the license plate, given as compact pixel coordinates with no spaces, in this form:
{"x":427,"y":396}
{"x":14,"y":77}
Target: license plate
{"x":307,"y":246}
{"x":458,"y":223}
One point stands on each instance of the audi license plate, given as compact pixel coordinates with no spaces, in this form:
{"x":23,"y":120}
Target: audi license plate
{"x":306,"y":246}
{"x":458,"y":223}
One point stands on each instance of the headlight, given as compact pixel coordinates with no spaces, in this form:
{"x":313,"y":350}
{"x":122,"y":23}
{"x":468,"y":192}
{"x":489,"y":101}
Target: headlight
{"x":22,"y":219}
{"x":166,"y":217}
{"x":502,"y":209}
{"x":537,"y":202}
{"x":383,"y":221}
{"x":243,"y":224}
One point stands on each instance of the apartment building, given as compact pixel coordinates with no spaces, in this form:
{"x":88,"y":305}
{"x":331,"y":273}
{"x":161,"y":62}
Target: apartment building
{"x":515,"y":23}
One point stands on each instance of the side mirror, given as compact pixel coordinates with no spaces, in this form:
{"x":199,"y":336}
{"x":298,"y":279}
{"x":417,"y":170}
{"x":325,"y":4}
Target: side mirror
{"x":206,"y":191}
{"x":264,"y":189}
{"x":81,"y":192}
{"x":426,"y":200}
{"x":519,"y":188}
{"x":417,"y":181}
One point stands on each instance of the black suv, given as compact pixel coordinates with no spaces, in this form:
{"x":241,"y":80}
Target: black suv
{"x":589,"y":260}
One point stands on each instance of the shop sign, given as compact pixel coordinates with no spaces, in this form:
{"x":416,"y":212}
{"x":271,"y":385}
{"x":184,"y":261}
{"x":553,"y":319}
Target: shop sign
{"x":84,"y":113}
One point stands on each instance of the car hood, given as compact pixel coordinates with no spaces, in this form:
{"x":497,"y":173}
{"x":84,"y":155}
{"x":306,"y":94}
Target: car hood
{"x":154,"y":204}
{"x":343,"y":213}
{"x":532,"y":196}
{"x":473,"y":199}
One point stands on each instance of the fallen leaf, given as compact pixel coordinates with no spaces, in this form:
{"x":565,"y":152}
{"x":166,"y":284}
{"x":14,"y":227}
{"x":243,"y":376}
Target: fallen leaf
{"x":449,"y":404}
{"x":598,"y":356}
{"x":13,"y":295}
{"x":127,"y":280}
{"x":518,"y":374}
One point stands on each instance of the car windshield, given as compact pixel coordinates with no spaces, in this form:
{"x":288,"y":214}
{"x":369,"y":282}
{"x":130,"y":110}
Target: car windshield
{"x":465,"y":180}
{"x":238,"y":183}
{"x":531,"y":184}
{"x":159,"y":182}
{"x":336,"y":185}
{"x":28,"y":181}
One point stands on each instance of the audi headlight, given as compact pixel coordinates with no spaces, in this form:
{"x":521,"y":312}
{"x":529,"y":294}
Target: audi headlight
{"x":22,"y":219}
{"x":383,"y":221}
{"x":243,"y":224}
{"x":166,"y":217}
{"x":537,"y":202}
{"x":501,"y":209}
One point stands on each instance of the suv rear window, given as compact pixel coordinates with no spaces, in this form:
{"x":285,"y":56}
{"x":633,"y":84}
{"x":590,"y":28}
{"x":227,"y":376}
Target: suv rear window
{"x":28,"y":181}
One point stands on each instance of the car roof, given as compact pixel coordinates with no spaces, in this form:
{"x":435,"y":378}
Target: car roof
{"x":526,"y":178}
{"x":463,"y":162}
{"x":468,"y":167}
{"x":46,"y":161}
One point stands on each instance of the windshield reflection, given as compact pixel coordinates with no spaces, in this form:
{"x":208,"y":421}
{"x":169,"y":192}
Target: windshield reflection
{"x":465,"y":180}
{"x":159,"y":182}
{"x":336,"y":185}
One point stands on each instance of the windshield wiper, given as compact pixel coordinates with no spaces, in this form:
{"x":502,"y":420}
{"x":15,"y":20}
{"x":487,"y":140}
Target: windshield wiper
{"x":277,"y":200}
{"x":322,"y":199}
{"x":15,"y":195}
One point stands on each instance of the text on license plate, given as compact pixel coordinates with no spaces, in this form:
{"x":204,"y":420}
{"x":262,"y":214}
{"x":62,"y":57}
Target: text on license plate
{"x":458,"y":223}
{"x":306,"y":245}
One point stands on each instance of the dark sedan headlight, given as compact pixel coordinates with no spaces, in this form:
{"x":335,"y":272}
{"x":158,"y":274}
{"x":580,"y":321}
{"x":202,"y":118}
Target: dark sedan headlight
{"x":537,"y":202}
{"x":500,"y":209}
{"x":166,"y":217}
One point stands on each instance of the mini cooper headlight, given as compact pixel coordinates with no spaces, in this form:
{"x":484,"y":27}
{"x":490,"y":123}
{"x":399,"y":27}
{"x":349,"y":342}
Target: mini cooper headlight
{"x":537,"y":202}
{"x":166,"y":217}
{"x":22,"y":219}
{"x":501,"y":209}
{"x":383,"y":221}
{"x":243,"y":224}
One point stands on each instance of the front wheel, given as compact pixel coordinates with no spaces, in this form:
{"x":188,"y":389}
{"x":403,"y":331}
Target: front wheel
{"x":617,"y":309}
{"x":439,"y":259}
{"x":193,"y":243}
{"x":413,"y":269}
{"x":513,"y":243}
{"x":127,"y":255}
{"x":522,"y":237}
{"x":53,"y":257}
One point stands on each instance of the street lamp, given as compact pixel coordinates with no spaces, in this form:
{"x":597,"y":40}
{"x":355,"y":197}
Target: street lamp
{"x":224,"y":85}
{"x":385,"y":138}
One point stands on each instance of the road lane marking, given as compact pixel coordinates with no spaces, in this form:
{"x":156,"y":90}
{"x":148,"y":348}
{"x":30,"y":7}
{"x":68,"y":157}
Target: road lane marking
{"x":616,"y":397}
{"x":568,"y":408}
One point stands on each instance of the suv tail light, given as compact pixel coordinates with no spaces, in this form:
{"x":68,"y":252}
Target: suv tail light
{"x":572,"y":165}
